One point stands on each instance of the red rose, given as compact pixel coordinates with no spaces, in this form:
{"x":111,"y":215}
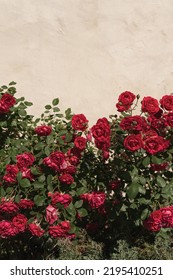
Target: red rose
{"x":167,"y":102}
{"x":71,"y":169}
{"x":154,"y":222}
{"x":167,"y":216}
{"x":61,"y":230}
{"x":79,"y":122}
{"x":74,"y":160}
{"x":7,"y":229}
{"x":11,"y":173}
{"x":47,"y":161}
{"x":43,"y":130}
{"x":95,"y":199}
{"x":159,"y":167}
{"x":25,"y":160}
{"x":150,"y":105}
{"x":51,"y":214}
{"x":8,"y":99}
{"x":158,"y":124}
{"x":125,"y":101}
{"x":26,"y":204}
{"x":64,"y":199}
{"x":80,"y":143}
{"x":35,"y":229}
{"x":168,"y":119}
{"x":26,"y":173}
{"x":101,"y":132}
{"x":57,"y":157}
{"x":155,"y":144}
{"x":114,"y":185}
{"x":134,"y":123}
{"x":133,"y":142}
{"x":3,"y":108}
{"x":20,"y":222}
{"x":8,"y":207}
{"x":66,"y":179}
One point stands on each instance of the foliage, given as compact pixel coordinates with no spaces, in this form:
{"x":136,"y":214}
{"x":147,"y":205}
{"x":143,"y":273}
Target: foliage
{"x":59,"y":177}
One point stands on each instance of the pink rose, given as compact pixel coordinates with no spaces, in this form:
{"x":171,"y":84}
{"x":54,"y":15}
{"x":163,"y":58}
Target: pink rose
{"x":51,"y":214}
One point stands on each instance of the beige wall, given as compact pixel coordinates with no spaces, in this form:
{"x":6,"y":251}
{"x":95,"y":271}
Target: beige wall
{"x":86,"y":51}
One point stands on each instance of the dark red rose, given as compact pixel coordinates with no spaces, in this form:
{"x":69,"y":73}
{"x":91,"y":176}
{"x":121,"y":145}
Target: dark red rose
{"x":26,"y":173}
{"x":25,"y":160}
{"x":43,"y":130}
{"x":8,"y":99}
{"x":167,"y":102}
{"x":80,"y":143}
{"x":3,"y":108}
{"x":150,"y":105}
{"x":64,"y":199}
{"x":154,"y":222}
{"x":71,"y":169}
{"x":157,"y":124}
{"x":101,"y":133}
{"x":66,"y":179}
{"x":7,"y":229}
{"x":51,"y":214}
{"x":9,"y":207}
{"x":133,"y":142}
{"x":149,"y":133}
{"x":79,"y":122}
{"x":133,"y":123}
{"x":125,"y":101}
{"x":57,"y":157}
{"x":60,"y":230}
{"x":113,"y":185}
{"x":35,"y":229}
{"x":20,"y":222}
{"x":159,"y":167}
{"x":74,"y":160}
{"x":26,"y":204}
{"x":155,"y":144}
{"x":168,"y":119}
{"x":11,"y":173}
{"x":47,"y":161}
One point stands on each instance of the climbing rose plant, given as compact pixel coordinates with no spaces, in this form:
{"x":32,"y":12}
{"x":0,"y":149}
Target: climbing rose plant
{"x":58,"y":175}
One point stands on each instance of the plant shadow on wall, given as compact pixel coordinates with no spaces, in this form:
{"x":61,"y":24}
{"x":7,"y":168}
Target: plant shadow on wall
{"x":68,"y":191}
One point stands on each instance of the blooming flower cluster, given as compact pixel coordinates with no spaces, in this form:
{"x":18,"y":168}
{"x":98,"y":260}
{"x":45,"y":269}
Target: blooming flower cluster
{"x":24,"y":161}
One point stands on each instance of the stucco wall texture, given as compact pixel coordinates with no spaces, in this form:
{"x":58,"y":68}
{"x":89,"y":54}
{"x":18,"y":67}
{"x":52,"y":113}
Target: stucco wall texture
{"x":86,"y":52}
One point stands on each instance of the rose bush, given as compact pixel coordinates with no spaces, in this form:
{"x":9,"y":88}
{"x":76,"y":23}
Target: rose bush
{"x":59,"y":176}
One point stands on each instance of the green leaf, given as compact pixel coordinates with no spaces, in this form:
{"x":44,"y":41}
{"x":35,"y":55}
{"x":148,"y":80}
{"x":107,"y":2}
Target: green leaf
{"x":22,"y":112}
{"x":160,"y":181}
{"x":71,"y":209}
{"x":25,"y":183}
{"x":12,"y":83}
{"x":27,"y":103}
{"x":41,"y":179}
{"x":47,"y":151}
{"x":35,"y":170}
{"x":146,"y":161}
{"x":38,"y":185}
{"x":39,"y":200}
{"x":78,"y":203}
{"x":55,"y":101}
{"x":145,"y":214}
{"x":49,"y":179}
{"x":133,"y":190}
{"x":82,"y":212}
{"x":156,"y":160}
{"x":48,"y":107}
